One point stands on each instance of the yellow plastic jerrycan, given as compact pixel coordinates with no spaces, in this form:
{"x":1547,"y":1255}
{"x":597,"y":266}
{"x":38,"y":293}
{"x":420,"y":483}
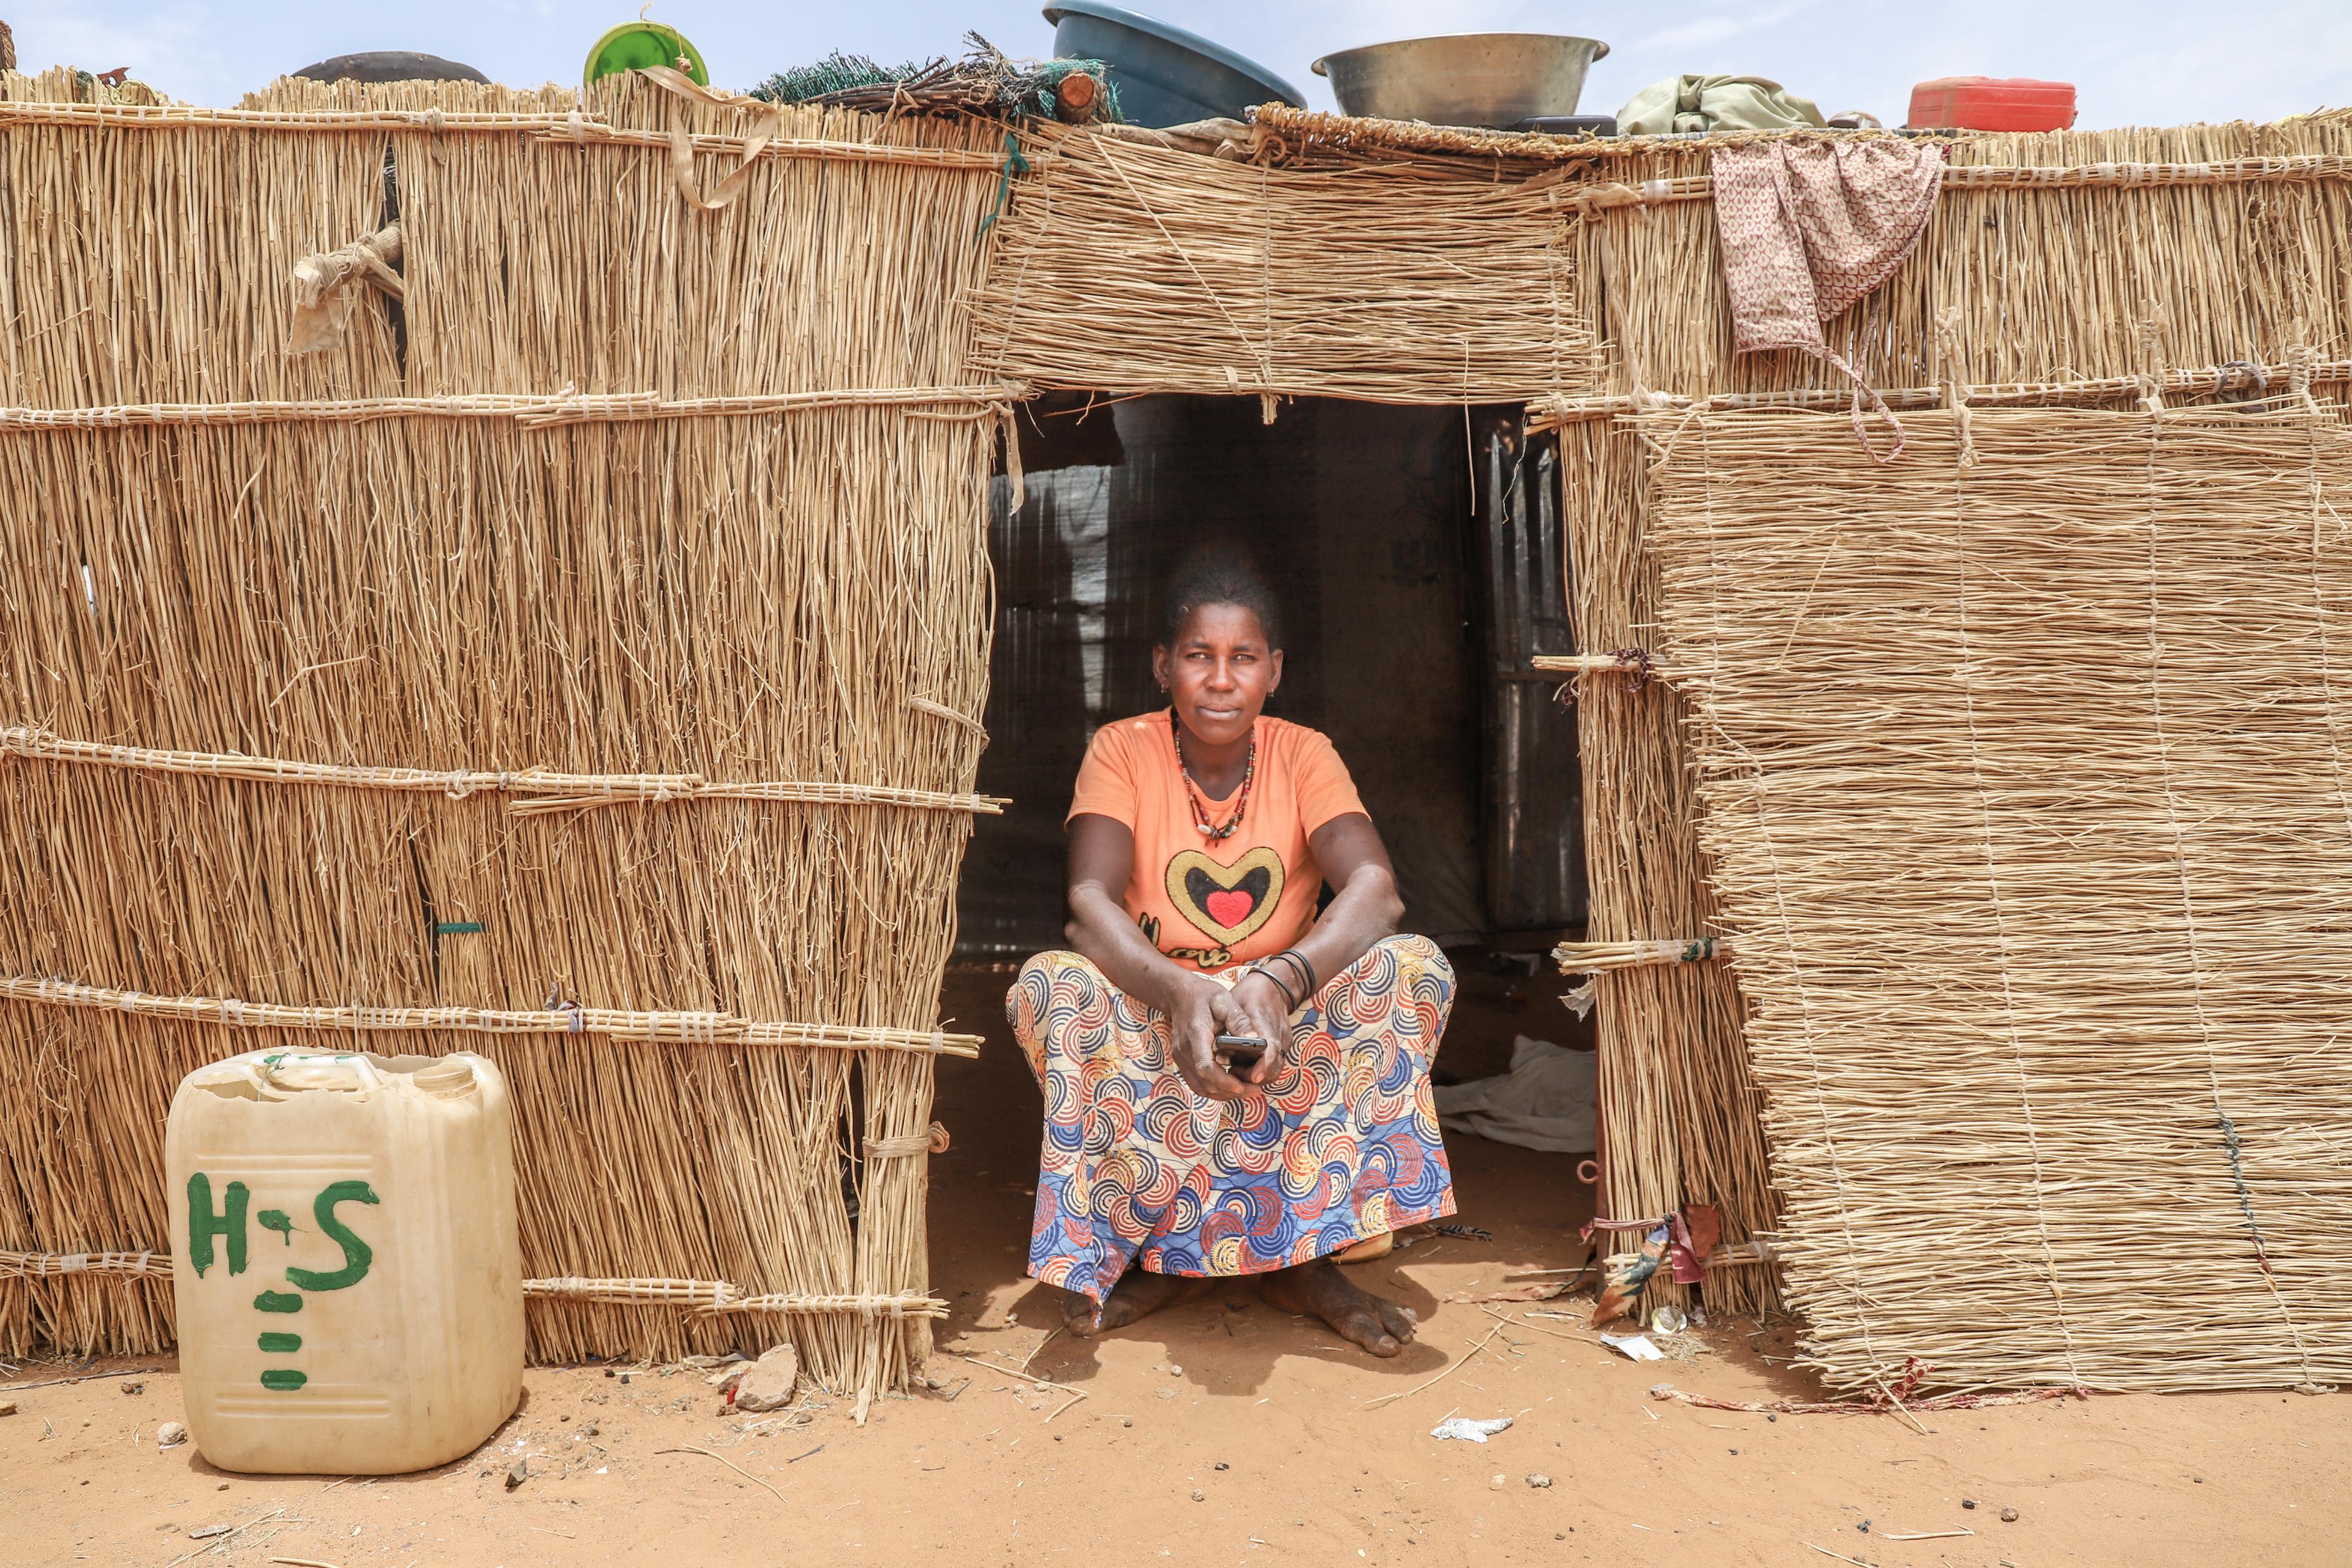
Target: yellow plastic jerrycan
{"x":345,"y":1262}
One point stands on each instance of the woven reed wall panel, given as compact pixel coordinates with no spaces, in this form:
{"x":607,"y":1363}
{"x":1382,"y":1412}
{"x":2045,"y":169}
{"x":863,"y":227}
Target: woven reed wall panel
{"x":2051,"y":284}
{"x":1681,"y":1116}
{"x":745,"y":598}
{"x":157,"y":268}
{"x":556,"y":264}
{"x":1138,"y":268}
{"x":2026,"y":790}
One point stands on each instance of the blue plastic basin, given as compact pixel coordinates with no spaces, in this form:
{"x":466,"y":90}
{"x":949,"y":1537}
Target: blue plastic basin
{"x":1163,"y":75}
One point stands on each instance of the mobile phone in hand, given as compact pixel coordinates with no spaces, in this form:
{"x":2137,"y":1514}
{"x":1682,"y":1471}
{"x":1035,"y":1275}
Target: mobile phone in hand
{"x":1239,"y":1052}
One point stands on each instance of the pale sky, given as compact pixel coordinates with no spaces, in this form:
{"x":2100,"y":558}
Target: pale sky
{"x":2153,"y":62}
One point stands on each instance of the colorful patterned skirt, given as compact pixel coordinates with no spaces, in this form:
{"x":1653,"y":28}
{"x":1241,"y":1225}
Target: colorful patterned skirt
{"x":1342,"y":1146}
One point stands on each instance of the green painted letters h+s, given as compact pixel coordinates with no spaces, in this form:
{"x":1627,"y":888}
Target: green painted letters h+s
{"x":357,"y":1255}
{"x":204,"y":1223}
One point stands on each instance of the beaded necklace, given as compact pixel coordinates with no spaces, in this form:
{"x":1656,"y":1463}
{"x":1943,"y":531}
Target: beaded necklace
{"x":1192,"y":791}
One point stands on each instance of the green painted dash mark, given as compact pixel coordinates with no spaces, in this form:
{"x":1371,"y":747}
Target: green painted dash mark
{"x":278,"y":1302}
{"x":281,"y":1344}
{"x":457,"y":928}
{"x":284,"y":1377}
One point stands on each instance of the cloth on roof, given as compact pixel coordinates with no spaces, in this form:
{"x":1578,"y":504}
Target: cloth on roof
{"x":1810,"y":228}
{"x":1342,"y":1144}
{"x":1699,"y":103}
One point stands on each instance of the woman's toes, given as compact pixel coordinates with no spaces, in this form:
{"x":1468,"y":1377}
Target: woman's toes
{"x":1079,"y":1317}
{"x":1368,"y":1330}
{"x":1397,"y":1320}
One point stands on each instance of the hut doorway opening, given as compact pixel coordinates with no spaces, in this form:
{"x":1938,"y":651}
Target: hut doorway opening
{"x":1417,"y":556}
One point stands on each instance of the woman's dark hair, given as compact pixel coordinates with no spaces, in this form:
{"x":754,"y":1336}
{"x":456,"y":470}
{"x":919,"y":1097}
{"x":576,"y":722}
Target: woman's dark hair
{"x":1220,"y":580}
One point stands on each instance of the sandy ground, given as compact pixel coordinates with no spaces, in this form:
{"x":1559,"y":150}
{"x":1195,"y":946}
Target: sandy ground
{"x":1223,"y":1432}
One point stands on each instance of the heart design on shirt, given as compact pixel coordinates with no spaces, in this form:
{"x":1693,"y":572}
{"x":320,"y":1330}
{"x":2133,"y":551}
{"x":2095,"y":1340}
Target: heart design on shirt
{"x":1228,"y":902}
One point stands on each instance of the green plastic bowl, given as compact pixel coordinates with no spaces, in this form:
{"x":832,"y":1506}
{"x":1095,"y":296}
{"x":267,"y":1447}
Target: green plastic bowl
{"x":634,"y":44}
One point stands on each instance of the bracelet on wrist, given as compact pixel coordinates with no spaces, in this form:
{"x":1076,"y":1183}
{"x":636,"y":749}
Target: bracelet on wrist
{"x":1290,"y":1003}
{"x":1305,"y":971}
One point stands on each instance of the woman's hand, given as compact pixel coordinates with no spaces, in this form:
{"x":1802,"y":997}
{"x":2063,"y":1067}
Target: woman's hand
{"x":1193,"y":1024}
{"x":1258,"y":1007}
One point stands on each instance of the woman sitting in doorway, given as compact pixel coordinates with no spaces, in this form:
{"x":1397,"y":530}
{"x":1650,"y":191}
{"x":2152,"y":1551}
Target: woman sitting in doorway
{"x":1201,"y":837}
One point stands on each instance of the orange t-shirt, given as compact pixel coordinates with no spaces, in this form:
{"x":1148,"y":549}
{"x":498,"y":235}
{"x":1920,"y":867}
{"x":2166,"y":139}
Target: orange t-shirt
{"x":1213,"y":902}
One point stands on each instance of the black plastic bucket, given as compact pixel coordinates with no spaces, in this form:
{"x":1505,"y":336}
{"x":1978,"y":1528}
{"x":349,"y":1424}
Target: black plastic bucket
{"x":1162,"y":74}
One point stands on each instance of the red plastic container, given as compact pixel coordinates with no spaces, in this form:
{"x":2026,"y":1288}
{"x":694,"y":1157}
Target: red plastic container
{"x":1992,"y":103}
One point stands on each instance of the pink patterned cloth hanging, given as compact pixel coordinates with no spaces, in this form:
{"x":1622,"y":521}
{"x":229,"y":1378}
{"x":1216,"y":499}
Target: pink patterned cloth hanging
{"x":1811,"y":226}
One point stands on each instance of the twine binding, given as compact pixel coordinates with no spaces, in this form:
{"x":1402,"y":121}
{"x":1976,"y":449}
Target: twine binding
{"x":559,"y":1017}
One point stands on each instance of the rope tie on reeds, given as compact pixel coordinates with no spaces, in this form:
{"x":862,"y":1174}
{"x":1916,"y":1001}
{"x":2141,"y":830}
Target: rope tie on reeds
{"x":2303,"y":363}
{"x":1638,"y":666}
{"x":53,"y":1265}
{"x":932,"y":1140}
{"x":538,"y":791}
{"x":1599,"y":957}
{"x":1949,"y":350}
{"x":327,"y":289}
{"x":560,"y":1017}
{"x":941,"y":711}
{"x":1015,"y":165}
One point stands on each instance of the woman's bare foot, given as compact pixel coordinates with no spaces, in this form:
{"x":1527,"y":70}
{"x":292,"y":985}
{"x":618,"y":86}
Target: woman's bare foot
{"x":1356,"y":1315}
{"x":1138,"y":1294}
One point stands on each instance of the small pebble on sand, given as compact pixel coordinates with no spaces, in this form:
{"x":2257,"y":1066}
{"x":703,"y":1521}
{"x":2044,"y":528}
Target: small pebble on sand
{"x":1967,"y":1503}
{"x":1174,"y":1370}
{"x":1199,"y":1496}
{"x":1167,"y":1393}
{"x":171,"y":1435}
{"x":1538,"y":1481}
{"x":2008,"y":1516}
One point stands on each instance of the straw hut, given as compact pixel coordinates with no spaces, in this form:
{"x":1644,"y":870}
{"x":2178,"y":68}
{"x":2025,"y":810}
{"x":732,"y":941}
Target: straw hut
{"x":583,"y":657}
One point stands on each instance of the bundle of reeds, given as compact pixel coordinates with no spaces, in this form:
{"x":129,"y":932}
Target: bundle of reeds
{"x":2024,"y":779}
{"x":790,"y":604}
{"x":1680,"y":1117}
{"x":1132,"y":268}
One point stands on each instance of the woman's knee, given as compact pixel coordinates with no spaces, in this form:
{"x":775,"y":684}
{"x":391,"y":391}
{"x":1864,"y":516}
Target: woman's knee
{"x":1056,"y":979}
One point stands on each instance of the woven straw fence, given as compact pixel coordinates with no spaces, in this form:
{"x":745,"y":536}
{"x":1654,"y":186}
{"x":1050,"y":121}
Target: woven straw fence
{"x":1130,"y":268}
{"x":2077,"y":292}
{"x":2028,"y":788}
{"x":765,"y":631}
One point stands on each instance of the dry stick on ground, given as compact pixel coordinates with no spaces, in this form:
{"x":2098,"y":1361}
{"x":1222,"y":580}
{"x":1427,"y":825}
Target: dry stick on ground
{"x":1012,"y":1371}
{"x":1467,"y":1357}
{"x":729,"y":1463}
{"x":86,"y":1378}
{"x":1841,"y":1557}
